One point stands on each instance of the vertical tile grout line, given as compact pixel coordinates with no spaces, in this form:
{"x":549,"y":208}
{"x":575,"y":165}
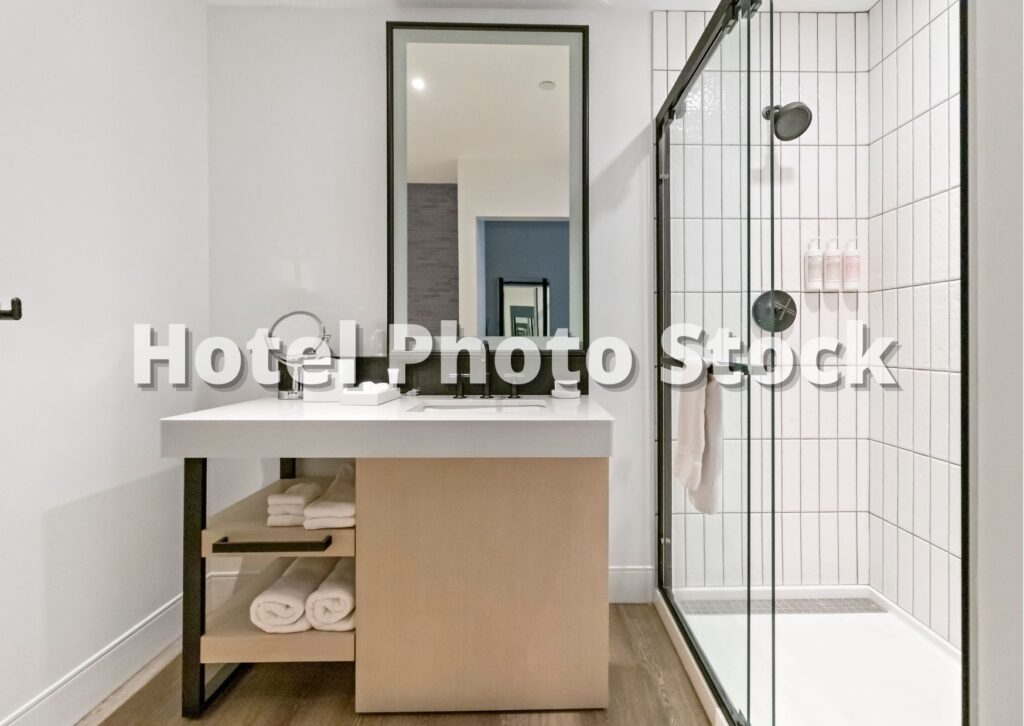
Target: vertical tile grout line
{"x":839,"y":302}
{"x":721,"y":256}
{"x":782,"y":248}
{"x":703,"y":286}
{"x":771,"y":231}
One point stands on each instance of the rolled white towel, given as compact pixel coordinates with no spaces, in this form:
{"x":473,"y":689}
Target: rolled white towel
{"x":329,"y":522}
{"x":285,"y":520}
{"x":338,"y":501}
{"x":285,"y":509}
{"x":331,"y":606}
{"x":299,"y":494}
{"x":281,"y":608}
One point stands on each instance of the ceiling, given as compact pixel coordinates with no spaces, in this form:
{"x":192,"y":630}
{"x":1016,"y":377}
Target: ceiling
{"x":821,"y":6}
{"x":483,"y":102}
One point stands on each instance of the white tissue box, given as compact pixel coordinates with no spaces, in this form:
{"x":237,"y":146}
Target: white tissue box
{"x":358,"y":397}
{"x":342,"y":373}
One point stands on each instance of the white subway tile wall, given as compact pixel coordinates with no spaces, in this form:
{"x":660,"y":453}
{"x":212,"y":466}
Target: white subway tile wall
{"x":924,"y":271}
{"x":823,"y":191}
{"x":867,"y":481}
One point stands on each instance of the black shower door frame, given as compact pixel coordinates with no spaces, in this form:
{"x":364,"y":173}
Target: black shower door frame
{"x":726,"y":15}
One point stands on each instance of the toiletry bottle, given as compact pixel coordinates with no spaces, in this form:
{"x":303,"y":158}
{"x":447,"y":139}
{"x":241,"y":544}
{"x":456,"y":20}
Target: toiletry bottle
{"x":833,"y":278}
{"x":851,"y":265}
{"x":813,"y":266}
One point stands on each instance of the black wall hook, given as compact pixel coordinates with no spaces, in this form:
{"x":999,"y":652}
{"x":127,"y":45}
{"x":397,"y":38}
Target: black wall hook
{"x":14,"y":313}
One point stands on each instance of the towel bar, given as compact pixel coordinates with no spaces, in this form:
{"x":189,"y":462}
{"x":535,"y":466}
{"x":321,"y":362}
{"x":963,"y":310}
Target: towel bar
{"x":225,"y":546}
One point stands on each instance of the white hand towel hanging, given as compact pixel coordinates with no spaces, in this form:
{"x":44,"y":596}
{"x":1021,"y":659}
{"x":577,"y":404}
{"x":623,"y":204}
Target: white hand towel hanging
{"x":690,"y":434}
{"x":706,"y":496}
{"x":698,"y":458}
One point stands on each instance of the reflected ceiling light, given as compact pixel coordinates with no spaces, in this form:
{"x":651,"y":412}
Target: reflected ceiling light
{"x":546,"y":85}
{"x":418,"y":83}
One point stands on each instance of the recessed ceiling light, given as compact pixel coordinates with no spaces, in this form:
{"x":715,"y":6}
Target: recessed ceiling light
{"x":546,"y":85}
{"x":418,"y":83}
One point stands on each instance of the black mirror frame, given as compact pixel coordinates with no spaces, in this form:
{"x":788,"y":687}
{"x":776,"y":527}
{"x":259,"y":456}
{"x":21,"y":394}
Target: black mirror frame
{"x":583,"y":30}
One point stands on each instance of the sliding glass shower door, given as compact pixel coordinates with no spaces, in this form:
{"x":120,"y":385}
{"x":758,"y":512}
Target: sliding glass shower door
{"x":715,"y":434}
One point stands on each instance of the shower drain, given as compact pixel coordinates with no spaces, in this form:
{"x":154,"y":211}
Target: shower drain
{"x":790,"y":606}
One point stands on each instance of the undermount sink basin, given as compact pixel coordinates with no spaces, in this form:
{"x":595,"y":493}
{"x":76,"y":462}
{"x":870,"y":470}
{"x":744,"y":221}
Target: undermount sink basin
{"x":482,"y":405}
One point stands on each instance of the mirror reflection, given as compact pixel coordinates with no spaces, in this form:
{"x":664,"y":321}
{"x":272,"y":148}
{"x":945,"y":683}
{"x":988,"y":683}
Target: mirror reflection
{"x":487,"y":193}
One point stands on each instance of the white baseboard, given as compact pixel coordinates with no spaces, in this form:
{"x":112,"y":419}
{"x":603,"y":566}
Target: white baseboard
{"x":78,"y":692}
{"x":631,"y":584}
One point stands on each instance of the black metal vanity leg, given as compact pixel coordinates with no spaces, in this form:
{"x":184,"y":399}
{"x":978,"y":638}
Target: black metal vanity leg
{"x":193,"y":589}
{"x":287,"y":468}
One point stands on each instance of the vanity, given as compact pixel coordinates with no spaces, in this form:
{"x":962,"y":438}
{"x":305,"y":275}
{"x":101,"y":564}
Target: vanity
{"x":481,"y":548}
{"x":481,"y":538}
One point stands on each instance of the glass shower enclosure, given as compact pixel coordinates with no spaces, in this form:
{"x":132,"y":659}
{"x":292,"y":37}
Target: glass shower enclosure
{"x":710,"y":247}
{"x":810,"y":537}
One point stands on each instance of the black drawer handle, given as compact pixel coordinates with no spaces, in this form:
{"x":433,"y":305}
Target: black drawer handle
{"x":225,"y":546}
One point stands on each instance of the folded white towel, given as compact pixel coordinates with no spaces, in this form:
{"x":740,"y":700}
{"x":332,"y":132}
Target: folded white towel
{"x":331,"y":606}
{"x":285,"y":520}
{"x":338,"y":501}
{"x":301,"y":493}
{"x":329,"y":522}
{"x":281,"y":608}
{"x":285,"y":509}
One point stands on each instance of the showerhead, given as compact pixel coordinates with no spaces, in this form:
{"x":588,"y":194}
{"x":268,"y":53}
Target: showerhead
{"x":790,"y":121}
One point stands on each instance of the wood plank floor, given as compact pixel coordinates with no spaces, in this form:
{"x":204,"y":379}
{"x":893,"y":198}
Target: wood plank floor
{"x":648,"y":687}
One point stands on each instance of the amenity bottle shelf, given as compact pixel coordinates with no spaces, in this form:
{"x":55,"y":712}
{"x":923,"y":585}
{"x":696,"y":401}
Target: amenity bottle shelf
{"x":246,"y":522}
{"x":232,"y":638}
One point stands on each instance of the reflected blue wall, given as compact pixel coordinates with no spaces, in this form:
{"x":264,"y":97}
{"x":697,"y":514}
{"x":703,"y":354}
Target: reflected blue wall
{"x":527,"y":250}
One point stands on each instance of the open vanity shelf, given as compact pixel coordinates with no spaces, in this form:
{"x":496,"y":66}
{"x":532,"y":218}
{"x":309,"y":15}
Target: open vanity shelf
{"x":231,"y":638}
{"x":246,"y":522}
{"x":483,"y":535}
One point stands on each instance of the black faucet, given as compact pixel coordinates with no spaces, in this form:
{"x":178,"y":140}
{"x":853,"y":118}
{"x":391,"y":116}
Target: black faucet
{"x":487,"y":372}
{"x":460,"y":390}
{"x":460,"y":378}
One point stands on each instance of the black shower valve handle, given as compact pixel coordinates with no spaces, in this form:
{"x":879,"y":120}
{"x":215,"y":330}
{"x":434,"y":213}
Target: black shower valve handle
{"x":14,"y":313}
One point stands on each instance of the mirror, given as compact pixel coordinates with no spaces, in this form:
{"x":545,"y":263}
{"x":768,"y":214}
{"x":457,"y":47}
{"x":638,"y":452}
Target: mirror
{"x":487,"y":162}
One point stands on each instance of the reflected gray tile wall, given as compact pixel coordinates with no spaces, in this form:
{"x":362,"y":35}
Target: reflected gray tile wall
{"x":433,"y":254}
{"x":425,"y":376}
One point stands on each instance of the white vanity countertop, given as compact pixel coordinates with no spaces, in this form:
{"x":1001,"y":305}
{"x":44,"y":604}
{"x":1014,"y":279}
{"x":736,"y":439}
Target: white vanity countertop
{"x":267,"y":427}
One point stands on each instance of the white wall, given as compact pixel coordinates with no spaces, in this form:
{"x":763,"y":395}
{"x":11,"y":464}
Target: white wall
{"x":299,"y":207}
{"x":501,"y":189}
{"x":995,"y":94}
{"x":103,"y":224}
